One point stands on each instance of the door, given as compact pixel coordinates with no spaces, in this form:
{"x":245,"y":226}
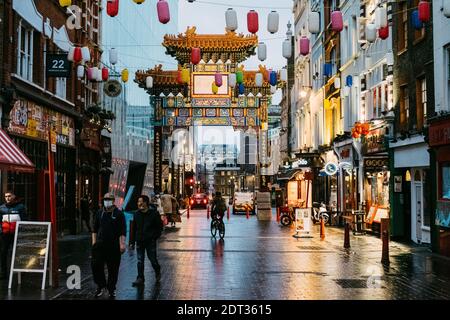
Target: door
{"x":418,"y":211}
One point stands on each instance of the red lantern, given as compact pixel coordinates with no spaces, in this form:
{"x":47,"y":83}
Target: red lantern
{"x":163,"y":11}
{"x":180,"y":77}
{"x":105,"y":74}
{"x":358,"y":128}
{"x":77,"y":55}
{"x":252,"y":21}
{"x":112,"y":7}
{"x":383,"y":32}
{"x":365,"y":127}
{"x":424,"y":11}
{"x":195,"y":55}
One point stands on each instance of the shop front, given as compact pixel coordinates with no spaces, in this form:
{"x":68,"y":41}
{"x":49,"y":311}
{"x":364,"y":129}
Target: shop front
{"x":376,"y":177}
{"x":439,"y":141}
{"x":411,"y":175}
{"x":298,"y":180}
{"x":29,"y":128}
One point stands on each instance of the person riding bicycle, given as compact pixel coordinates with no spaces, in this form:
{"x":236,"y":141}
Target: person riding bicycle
{"x":218,"y":207}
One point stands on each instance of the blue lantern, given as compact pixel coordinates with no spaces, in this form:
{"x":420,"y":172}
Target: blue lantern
{"x":349,"y":81}
{"x":273,"y":78}
{"x":327,"y":69}
{"x":417,"y":24}
{"x":241,"y":88}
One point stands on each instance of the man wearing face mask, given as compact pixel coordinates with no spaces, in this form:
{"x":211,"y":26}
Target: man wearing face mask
{"x":108,"y":243}
{"x":147,"y":229}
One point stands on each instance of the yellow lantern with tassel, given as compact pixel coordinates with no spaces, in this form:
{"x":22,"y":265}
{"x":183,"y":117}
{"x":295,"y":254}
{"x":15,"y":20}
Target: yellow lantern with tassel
{"x":139,"y":1}
{"x":65,"y":3}
{"x":214,"y":87}
{"x":185,"y":75}
{"x":125,"y":75}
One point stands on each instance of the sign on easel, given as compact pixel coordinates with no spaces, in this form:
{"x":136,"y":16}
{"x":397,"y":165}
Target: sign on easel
{"x":31,"y":250}
{"x":303,"y":222}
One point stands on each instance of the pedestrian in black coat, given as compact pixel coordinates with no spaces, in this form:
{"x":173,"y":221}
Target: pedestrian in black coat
{"x":147,"y":228}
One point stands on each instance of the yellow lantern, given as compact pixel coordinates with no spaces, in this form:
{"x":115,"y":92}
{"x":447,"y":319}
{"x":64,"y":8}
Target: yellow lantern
{"x":65,"y":3}
{"x":185,"y":75}
{"x":139,"y":1}
{"x":125,"y":75}
{"x":214,"y":87}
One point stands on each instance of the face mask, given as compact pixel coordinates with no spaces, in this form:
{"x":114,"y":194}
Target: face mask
{"x":108,"y":203}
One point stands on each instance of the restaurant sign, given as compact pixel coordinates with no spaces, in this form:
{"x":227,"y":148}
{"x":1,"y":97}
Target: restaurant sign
{"x":375,"y":141}
{"x":439,"y":133}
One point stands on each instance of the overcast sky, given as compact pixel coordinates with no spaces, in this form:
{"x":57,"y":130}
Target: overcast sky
{"x":209,"y":17}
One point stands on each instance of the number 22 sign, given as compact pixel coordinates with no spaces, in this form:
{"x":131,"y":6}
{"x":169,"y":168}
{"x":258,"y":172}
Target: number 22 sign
{"x":58,"y":65}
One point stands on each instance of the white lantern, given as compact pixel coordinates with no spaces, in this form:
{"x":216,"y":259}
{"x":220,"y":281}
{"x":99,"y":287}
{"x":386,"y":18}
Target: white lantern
{"x":259,"y":79}
{"x":273,"y":21}
{"x":287,"y":48}
{"x":262,"y":51}
{"x":283,"y":75}
{"x":231,"y":19}
{"x":96,"y":74}
{"x":381,"y":19}
{"x":80,"y":71}
{"x":149,"y":82}
{"x":314,"y":22}
{"x":85,"y":54}
{"x":273,"y":89}
{"x":113,"y":56}
{"x":337,"y":83}
{"x":446,"y":8}
{"x":232,"y":79}
{"x":371,"y":32}
{"x":346,"y":91}
{"x":70,"y":53}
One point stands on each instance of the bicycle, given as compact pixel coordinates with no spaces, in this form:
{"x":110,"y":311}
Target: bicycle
{"x":217,"y":225}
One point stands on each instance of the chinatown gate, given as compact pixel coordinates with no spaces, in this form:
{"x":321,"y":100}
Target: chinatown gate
{"x":185,"y":99}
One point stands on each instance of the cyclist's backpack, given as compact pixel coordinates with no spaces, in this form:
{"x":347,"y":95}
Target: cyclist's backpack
{"x":220,"y":206}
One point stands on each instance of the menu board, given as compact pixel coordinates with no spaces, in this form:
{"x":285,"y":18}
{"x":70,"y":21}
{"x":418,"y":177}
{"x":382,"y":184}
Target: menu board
{"x":31,"y":248}
{"x":382,"y":213}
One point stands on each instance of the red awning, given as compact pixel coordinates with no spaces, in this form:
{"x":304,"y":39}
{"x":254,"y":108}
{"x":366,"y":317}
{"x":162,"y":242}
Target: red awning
{"x":11,"y":157}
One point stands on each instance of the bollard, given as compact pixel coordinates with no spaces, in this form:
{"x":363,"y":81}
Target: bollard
{"x":385,"y":238}
{"x":228,"y":213}
{"x":188,"y":210}
{"x":322,"y":229}
{"x":347,"y":235}
{"x":248,"y":214}
{"x":207,"y":212}
{"x":278,"y":214}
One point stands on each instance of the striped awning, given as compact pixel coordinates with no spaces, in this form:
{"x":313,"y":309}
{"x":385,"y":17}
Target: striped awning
{"x":11,"y":157}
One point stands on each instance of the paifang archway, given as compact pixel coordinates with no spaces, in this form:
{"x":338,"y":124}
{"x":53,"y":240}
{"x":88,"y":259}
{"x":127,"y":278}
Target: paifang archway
{"x":180,"y":104}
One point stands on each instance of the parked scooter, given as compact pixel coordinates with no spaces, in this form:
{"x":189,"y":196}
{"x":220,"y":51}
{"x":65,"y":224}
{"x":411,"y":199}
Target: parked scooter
{"x":286,"y":215}
{"x":320,"y":211}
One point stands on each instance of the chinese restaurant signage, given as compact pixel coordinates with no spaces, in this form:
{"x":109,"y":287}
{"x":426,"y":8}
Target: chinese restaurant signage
{"x":374,"y":141}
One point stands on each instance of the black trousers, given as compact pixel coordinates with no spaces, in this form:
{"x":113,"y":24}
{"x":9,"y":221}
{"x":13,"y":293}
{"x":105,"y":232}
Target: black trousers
{"x":7,"y":240}
{"x":150,"y":247}
{"x":109,"y":255}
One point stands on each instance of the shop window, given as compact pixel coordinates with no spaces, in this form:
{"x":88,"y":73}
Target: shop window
{"x":402,"y":26}
{"x":445,"y":181}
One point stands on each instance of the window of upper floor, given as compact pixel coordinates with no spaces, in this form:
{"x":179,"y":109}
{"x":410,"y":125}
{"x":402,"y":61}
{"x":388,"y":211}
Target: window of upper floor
{"x":25,"y":51}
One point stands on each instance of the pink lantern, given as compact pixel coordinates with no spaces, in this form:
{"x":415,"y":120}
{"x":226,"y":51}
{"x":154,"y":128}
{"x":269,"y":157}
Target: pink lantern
{"x":383,"y":32}
{"x":163,"y":11}
{"x":112,"y":7}
{"x":90,"y":74}
{"x":304,"y":46}
{"x":77,"y":55}
{"x":195,"y":55}
{"x":218,"y":79}
{"x":424,"y":11}
{"x":105,"y":74}
{"x":252,"y":21}
{"x":337,"y":23}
